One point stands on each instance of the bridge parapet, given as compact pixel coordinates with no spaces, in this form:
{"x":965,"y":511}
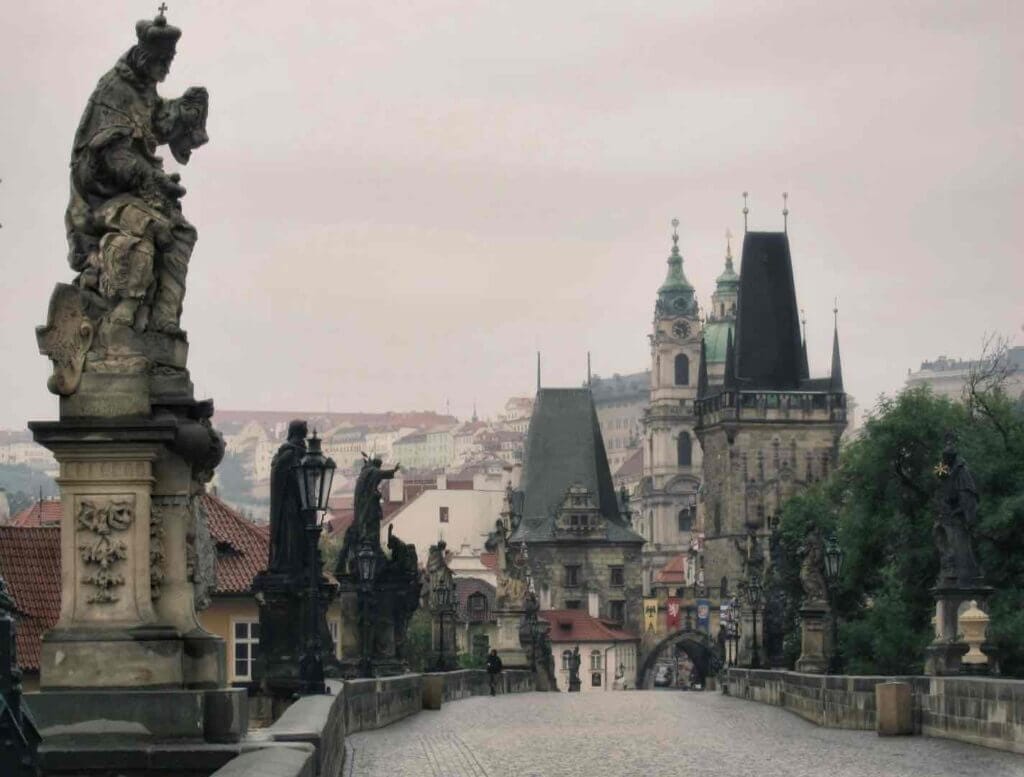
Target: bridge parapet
{"x":987,"y":711}
{"x":315,"y":727}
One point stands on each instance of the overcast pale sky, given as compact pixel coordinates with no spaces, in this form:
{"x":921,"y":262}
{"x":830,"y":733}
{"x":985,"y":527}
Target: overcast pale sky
{"x":401,"y":202}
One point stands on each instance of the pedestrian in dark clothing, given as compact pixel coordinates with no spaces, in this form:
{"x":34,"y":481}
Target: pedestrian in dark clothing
{"x":493,"y":670}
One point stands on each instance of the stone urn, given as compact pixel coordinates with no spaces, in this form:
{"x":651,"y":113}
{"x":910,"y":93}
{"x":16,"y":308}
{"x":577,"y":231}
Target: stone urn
{"x":973,"y":624}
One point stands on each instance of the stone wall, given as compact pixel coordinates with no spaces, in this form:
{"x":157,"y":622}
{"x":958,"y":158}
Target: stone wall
{"x":315,"y":726}
{"x":980,"y":710}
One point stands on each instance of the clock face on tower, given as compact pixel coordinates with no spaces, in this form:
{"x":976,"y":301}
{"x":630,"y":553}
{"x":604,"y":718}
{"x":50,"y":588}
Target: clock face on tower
{"x":681,"y":329}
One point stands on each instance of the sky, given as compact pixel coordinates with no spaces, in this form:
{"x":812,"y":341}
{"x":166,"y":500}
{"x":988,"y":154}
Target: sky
{"x":401,"y":202}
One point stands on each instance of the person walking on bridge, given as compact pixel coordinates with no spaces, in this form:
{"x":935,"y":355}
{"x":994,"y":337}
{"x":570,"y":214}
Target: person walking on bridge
{"x":493,"y":670}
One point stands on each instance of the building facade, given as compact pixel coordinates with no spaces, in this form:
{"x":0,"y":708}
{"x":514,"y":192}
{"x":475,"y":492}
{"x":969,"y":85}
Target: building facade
{"x":766,"y":428}
{"x":672,"y":458}
{"x":582,"y":553}
{"x":620,"y":402}
{"x":948,"y":377}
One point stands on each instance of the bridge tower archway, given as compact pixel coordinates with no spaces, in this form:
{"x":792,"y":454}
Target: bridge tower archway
{"x":697,"y":645}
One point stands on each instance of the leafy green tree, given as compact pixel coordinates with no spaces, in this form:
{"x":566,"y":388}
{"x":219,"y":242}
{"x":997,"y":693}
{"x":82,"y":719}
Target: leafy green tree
{"x":880,"y":502}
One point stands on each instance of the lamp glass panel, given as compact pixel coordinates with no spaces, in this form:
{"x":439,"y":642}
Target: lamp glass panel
{"x":313,"y":475}
{"x":325,"y":488}
{"x":303,"y":496}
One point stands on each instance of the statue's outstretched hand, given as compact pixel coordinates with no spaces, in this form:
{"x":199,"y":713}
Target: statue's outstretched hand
{"x":169,"y":184}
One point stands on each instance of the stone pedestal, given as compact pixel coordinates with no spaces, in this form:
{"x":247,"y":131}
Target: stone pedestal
{"x":443,"y":650}
{"x":387,"y":656}
{"x":943,"y":656}
{"x":894,"y":709}
{"x":506,"y":641}
{"x":814,"y":618}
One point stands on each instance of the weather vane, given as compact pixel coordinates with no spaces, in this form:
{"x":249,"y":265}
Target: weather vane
{"x":675,"y":231}
{"x":785,"y":212}
{"x":728,"y":244}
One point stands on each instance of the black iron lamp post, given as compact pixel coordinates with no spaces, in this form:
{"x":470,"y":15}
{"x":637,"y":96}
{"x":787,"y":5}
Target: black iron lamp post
{"x":443,"y":596}
{"x":833,"y":569}
{"x":366,"y":569}
{"x":315,"y":473}
{"x":754,"y":591}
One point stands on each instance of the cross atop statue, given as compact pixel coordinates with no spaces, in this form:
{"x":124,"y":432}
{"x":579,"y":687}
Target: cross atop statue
{"x":162,"y":9}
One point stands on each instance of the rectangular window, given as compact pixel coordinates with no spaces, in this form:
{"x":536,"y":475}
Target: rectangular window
{"x":572,"y":604}
{"x":443,"y":514}
{"x":572,"y":576}
{"x":617,"y":610}
{"x":618,"y":577}
{"x":246,"y":636}
{"x":595,"y":679}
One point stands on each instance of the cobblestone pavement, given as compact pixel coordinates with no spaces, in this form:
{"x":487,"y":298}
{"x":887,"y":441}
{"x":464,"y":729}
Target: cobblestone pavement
{"x":649,"y":733}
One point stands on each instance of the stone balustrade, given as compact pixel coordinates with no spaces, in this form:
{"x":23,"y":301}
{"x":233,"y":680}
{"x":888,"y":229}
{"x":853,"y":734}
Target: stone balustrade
{"x":987,"y":711}
{"x":308,"y":740}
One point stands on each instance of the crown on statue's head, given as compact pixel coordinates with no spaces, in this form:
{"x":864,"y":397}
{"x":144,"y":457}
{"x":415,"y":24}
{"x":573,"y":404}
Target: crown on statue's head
{"x":157,"y":35}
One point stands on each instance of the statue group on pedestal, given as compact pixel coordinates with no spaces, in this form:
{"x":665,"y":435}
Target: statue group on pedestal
{"x":956,"y":520}
{"x":128,"y":241}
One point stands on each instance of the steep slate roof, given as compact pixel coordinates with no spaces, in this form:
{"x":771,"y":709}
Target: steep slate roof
{"x":30,"y":563}
{"x":768,"y":348}
{"x":45,"y":513}
{"x":564,"y":447}
{"x":242,"y":547}
{"x":580,"y":626}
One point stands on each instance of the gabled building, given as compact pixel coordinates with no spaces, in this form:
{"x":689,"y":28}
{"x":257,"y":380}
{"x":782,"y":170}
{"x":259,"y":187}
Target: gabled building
{"x":766,"y":427}
{"x":581,"y":550}
{"x":608,"y":654}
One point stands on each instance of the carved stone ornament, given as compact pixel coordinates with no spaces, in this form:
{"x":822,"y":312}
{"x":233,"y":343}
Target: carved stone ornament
{"x":156,"y":551}
{"x":65,"y":339}
{"x":99,"y":520}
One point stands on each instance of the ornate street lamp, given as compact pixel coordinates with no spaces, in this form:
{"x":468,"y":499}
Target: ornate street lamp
{"x":443,"y":596}
{"x":366,"y":570}
{"x":833,"y":569}
{"x":754,"y":591}
{"x":315,"y":474}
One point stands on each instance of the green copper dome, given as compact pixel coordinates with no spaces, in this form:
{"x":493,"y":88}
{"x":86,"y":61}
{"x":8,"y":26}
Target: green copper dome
{"x":716,"y":336}
{"x":675,"y":295}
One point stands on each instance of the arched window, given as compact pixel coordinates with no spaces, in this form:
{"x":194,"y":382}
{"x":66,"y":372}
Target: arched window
{"x":566,"y":659}
{"x":684,"y":450}
{"x":595,"y":660}
{"x":686,"y":519}
{"x":682,"y":370}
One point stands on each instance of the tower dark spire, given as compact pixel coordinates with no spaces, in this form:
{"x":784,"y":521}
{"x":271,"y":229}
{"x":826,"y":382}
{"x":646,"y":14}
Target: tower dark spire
{"x":702,"y":370}
{"x":805,"y":369}
{"x":836,"y":384}
{"x":538,"y":371}
{"x":729,"y":379}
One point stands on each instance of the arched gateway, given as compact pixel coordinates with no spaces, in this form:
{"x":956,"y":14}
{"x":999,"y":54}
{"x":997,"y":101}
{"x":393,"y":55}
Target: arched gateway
{"x":701,"y":649}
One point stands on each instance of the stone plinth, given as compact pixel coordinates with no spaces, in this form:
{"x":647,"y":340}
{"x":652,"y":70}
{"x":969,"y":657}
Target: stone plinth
{"x":510,"y":650}
{"x":894,"y":708}
{"x":943,"y":656}
{"x":387,"y":651}
{"x":812,"y":639}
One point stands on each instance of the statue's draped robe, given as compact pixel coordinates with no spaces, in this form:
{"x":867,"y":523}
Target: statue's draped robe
{"x":286,"y":509}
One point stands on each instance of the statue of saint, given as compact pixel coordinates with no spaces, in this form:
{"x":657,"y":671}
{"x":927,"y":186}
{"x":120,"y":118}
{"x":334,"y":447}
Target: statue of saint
{"x":368,"y":513}
{"x":956,"y":519}
{"x":574,"y":668}
{"x":286,"y":519}
{"x":127,"y":237}
{"x":812,"y":568}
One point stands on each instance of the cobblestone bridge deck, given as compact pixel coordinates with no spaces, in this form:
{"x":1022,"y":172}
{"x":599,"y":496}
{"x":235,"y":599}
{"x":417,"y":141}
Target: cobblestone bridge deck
{"x":648,"y":733}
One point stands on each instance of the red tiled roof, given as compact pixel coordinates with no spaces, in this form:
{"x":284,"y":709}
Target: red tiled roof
{"x":673,"y":572}
{"x":579,"y":626}
{"x":45,"y":513}
{"x":30,"y":563}
{"x":242,"y":547}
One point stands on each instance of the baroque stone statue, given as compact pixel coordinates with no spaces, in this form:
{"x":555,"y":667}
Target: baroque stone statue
{"x":368,"y":512}
{"x":404,"y":568}
{"x":128,"y":241}
{"x":286,"y":519}
{"x":956,"y":520}
{"x":574,"y":669}
{"x":812,"y":568}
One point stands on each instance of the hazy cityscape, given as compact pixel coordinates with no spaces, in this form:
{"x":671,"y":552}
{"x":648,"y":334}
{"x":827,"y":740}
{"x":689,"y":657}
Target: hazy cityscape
{"x":459,"y":389}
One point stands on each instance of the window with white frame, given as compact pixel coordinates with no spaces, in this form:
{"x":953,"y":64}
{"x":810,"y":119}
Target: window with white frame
{"x":595,"y":660}
{"x":246,"y":635}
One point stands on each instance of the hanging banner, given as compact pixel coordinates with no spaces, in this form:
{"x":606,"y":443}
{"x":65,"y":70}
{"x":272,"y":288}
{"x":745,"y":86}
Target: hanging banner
{"x":704,"y":616}
{"x":651,"y":615}
{"x":674,"y":613}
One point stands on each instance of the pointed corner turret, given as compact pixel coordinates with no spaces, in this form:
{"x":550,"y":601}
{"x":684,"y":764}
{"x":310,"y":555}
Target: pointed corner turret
{"x":729,"y":379}
{"x":836,"y":382}
{"x":702,"y":371}
{"x":805,"y":369}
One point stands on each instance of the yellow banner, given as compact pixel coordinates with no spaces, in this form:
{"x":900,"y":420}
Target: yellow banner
{"x":651,"y":615}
